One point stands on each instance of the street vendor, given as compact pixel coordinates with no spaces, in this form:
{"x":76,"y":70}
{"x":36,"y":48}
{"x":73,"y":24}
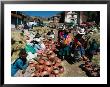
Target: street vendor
{"x":64,"y":50}
{"x":36,"y":45}
{"x":79,"y":49}
{"x":20,"y":63}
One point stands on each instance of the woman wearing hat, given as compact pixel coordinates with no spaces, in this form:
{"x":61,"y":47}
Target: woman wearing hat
{"x":20,"y":63}
{"x":79,"y":49}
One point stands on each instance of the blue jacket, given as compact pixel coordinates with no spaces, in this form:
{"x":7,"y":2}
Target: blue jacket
{"x":18,"y":64}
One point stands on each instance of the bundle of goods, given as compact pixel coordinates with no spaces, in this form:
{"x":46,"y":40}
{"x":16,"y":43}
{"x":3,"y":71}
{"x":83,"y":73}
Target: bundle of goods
{"x":91,"y":69}
{"x":48,"y":64}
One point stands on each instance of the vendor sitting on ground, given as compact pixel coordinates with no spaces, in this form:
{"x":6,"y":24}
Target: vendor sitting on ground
{"x":36,"y":45}
{"x":20,"y":63}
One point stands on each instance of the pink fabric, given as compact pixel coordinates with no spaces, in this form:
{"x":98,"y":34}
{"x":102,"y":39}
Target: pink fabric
{"x":61,"y":34}
{"x":75,"y":40}
{"x":68,"y":40}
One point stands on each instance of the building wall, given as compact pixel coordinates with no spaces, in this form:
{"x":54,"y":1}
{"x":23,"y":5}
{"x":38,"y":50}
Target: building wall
{"x":67,"y":17}
{"x":83,"y":17}
{"x":16,"y":18}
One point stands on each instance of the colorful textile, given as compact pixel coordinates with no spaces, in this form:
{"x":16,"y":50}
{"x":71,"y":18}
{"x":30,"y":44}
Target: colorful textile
{"x":18,"y":64}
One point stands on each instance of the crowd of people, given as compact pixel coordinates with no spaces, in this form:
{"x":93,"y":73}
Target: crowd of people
{"x":71,"y":44}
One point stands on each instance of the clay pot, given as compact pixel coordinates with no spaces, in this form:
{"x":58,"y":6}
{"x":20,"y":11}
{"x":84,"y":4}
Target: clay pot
{"x":41,"y":61}
{"x":52,"y":56}
{"x":57,"y":75}
{"x":61,"y":69}
{"x":37,"y":74}
{"x":95,"y":69}
{"x":52,"y":75}
{"x":45,"y":68}
{"x":48,"y":62}
{"x":33,"y":75}
{"x":56,"y":71}
{"x":31,"y":64}
{"x":94,"y":74}
{"x":53,"y":47}
{"x":44,"y":55}
{"x":44,"y":73}
{"x":87,"y":64}
{"x":41,"y":67}
{"x":58,"y":60}
{"x":89,"y":69}
{"x":50,"y":52}
{"x":56,"y":64}
{"x":37,"y":67}
{"x":52,"y":60}
{"x":50,"y":69}
{"x":85,"y":58}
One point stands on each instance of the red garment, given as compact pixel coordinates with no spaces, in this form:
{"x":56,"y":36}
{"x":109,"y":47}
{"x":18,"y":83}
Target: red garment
{"x":61,"y":34}
{"x":75,"y":40}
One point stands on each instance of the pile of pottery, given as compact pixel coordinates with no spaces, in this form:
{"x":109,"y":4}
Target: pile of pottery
{"x":47,"y":64}
{"x":50,"y":44}
{"x":92,"y":70}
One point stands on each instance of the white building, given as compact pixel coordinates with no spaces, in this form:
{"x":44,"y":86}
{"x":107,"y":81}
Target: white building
{"x":71,"y":16}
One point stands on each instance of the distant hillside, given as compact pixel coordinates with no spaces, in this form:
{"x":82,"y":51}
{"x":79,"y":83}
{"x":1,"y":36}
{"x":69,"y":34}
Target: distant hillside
{"x":39,"y":17}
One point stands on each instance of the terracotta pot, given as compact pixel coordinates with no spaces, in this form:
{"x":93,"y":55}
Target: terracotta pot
{"x":52,"y":56}
{"x":57,"y":75}
{"x":56,"y":64}
{"x":61,"y":69}
{"x":45,"y":68}
{"x":56,"y":71}
{"x":85,"y":58}
{"x":94,"y":74}
{"x":88,"y":69}
{"x":33,"y":75}
{"x":44,"y":55}
{"x":37,"y":73}
{"x":41,"y":67}
{"x":52,"y":75}
{"x":95,"y":69}
{"x":41,"y":61}
{"x":50,"y":69}
{"x":87,"y":64}
{"x":37,"y":67}
{"x":58,"y":60}
{"x":31,"y":64}
{"x":48,"y":62}
{"x":44,"y":73}
{"x":50,"y":51}
{"x":53,"y":47}
{"x":45,"y":58}
{"x":52,"y":60}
